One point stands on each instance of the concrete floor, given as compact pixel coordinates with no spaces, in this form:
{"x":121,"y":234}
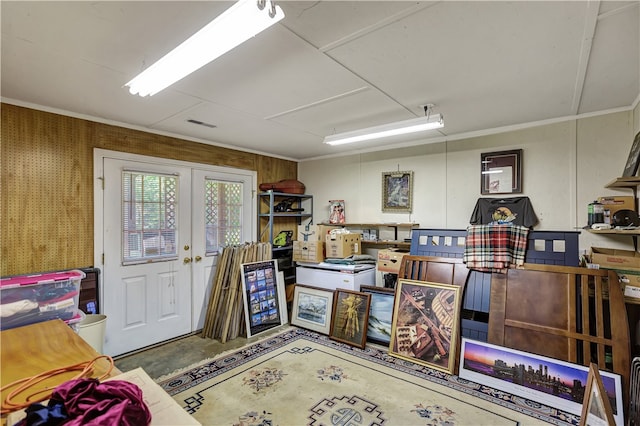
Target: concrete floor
{"x":183,"y":352}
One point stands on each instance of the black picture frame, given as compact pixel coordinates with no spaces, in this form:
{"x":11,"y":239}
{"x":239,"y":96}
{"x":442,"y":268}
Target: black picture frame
{"x":633,"y":160}
{"x":263,"y":296}
{"x":380,"y":314}
{"x":501,"y":172}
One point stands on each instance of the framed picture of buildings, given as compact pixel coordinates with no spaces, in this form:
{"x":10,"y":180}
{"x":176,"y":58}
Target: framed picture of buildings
{"x":545,"y":380}
{"x":312,"y":308}
{"x":263,"y":294}
{"x":425,"y":321}
{"x":350,"y":317}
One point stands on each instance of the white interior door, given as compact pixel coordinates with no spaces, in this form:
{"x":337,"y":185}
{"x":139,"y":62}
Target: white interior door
{"x":160,"y":225}
{"x":221,"y":216}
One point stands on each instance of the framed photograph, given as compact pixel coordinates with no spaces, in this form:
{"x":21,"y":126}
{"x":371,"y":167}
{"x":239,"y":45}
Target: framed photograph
{"x":350,"y":317}
{"x":263,"y":296}
{"x":312,"y":308}
{"x":380,"y":314}
{"x":548,"y":381}
{"x":501,"y":172}
{"x":425,"y":321}
{"x":397,"y":191}
{"x":631,"y":168}
{"x":336,"y":211}
{"x":596,"y":407}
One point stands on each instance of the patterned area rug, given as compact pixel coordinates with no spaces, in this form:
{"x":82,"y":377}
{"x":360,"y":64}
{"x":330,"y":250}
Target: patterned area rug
{"x":299,"y":377}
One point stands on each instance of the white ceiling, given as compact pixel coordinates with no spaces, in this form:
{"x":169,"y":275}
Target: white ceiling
{"x":327,"y":67}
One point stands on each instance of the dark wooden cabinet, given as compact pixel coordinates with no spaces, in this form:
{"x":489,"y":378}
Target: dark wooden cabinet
{"x":89,"y":292}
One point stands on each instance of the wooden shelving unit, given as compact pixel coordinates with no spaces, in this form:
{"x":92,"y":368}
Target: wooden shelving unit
{"x":395,"y":242}
{"x":631,"y":183}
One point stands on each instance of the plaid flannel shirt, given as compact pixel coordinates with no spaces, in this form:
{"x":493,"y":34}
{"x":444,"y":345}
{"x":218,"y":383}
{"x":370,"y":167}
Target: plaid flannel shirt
{"x":493,"y":248}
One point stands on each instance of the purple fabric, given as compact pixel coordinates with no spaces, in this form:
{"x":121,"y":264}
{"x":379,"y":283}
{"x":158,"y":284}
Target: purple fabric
{"x":114,"y":402}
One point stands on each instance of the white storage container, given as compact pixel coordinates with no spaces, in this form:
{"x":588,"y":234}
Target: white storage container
{"x":333,"y":276}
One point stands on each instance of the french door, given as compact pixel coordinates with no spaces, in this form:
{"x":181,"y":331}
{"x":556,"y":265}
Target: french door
{"x":160,"y":225}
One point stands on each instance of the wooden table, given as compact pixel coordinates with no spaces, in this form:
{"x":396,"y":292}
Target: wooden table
{"x":33,"y":349}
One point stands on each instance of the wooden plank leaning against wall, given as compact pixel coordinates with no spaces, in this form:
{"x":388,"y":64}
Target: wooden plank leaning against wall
{"x":46,"y":186}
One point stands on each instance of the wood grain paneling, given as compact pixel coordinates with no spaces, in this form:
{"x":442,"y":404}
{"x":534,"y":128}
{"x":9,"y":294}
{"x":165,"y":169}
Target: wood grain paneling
{"x":46,"y":186}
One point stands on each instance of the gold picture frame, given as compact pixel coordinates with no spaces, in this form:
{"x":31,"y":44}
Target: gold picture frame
{"x":397,"y":191}
{"x":425,"y":324}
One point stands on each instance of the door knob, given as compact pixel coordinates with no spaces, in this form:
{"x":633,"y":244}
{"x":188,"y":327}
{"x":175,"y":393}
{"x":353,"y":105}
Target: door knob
{"x":198,"y":258}
{"x":186,"y":260}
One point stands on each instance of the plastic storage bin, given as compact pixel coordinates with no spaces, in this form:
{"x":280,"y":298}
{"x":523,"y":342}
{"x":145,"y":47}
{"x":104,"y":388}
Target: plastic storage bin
{"x":28,"y":299}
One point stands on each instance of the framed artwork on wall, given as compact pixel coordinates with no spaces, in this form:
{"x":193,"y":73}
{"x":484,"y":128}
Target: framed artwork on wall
{"x":501,"y":172}
{"x":425,"y":322}
{"x":397,"y":192}
{"x":633,"y":160}
{"x":312,"y":308}
{"x":350,"y":317}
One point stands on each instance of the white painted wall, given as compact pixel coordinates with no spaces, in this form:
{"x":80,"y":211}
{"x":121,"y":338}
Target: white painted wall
{"x":566,"y":165}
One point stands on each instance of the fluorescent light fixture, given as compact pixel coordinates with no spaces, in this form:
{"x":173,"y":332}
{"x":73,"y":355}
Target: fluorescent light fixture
{"x":240,"y":22}
{"x":433,"y":121}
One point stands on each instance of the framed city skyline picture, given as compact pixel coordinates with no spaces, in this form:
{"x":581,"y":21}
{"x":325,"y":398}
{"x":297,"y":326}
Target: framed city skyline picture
{"x":548,"y":381}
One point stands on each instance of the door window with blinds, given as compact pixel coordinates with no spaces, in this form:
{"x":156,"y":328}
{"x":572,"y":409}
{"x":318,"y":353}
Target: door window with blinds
{"x":149,"y":217}
{"x":223,"y":214}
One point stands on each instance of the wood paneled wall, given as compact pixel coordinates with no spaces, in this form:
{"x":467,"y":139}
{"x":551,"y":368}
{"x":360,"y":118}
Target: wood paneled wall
{"x":46,"y":188}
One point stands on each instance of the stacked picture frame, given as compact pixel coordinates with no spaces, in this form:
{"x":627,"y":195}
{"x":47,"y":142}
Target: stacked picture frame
{"x":418,"y":321}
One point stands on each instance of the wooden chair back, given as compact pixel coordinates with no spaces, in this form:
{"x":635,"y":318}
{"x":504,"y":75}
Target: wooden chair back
{"x":568,"y":313}
{"x":443,"y":270}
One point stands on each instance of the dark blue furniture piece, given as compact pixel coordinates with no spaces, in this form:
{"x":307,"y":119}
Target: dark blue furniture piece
{"x":543,"y":247}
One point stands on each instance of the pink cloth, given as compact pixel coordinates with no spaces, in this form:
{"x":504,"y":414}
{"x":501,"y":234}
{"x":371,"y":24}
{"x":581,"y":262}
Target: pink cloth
{"x":114,"y":402}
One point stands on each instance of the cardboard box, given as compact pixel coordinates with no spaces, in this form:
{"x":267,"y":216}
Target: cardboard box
{"x":630,"y":284}
{"x":314,"y":232}
{"x":614,"y":258}
{"x":308,"y":251}
{"x":343,"y":245}
{"x":389,"y":260}
{"x":613,"y":204}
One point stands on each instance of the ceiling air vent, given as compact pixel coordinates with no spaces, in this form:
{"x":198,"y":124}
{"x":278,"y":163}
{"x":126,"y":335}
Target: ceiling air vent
{"x":201,"y":123}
